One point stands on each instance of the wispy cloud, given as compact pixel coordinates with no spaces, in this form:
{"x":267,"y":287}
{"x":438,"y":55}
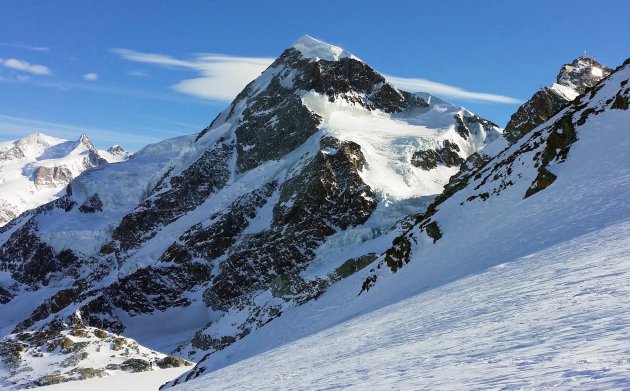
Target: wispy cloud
{"x":27,"y":47}
{"x":221,"y":77}
{"x":12,"y":127}
{"x":24,"y":66}
{"x":447,"y":91}
{"x":137,"y":73}
{"x":90,"y":76}
{"x":100,"y":88}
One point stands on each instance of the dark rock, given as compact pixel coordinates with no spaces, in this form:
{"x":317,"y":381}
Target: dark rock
{"x":92,"y":205}
{"x":353,"y":265}
{"x":327,"y":194}
{"x":447,"y":155}
{"x":216,"y":238}
{"x":172,"y":362}
{"x":433,"y":230}
{"x":135,"y":365}
{"x":399,"y":253}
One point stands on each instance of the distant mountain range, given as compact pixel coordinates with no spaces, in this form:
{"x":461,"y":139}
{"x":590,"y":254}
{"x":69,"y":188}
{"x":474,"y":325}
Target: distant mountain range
{"x":35,"y":168}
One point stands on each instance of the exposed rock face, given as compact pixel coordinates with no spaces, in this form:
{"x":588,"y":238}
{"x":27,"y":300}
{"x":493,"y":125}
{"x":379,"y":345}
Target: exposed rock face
{"x":583,"y":73}
{"x":52,"y":176}
{"x":92,"y":205}
{"x":119,"y":152}
{"x":29,"y":264}
{"x":446,"y":155}
{"x":213,"y":240}
{"x":574,"y":79}
{"x":327,"y":194}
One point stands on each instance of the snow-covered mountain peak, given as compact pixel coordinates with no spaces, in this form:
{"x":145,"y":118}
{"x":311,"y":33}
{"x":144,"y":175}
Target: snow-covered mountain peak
{"x":582,"y":73}
{"x":28,"y":146}
{"x":118,"y":153}
{"x":291,"y":188}
{"x":316,"y":49}
{"x":37,"y":138}
{"x":573,"y":80}
{"x":84,"y":141}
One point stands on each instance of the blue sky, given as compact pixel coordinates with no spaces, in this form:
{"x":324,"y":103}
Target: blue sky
{"x":134,"y":72}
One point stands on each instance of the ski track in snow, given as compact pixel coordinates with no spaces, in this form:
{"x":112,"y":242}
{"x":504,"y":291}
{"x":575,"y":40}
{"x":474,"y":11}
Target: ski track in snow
{"x":557,"y":318}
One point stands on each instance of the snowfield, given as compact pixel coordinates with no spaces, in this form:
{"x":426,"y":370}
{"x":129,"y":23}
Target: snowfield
{"x":558,"y":318}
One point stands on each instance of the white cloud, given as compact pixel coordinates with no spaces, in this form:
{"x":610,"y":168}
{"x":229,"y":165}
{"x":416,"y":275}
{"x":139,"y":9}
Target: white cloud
{"x":23,"y":66}
{"x":27,"y":47}
{"x":221,"y":77}
{"x":90,"y":76}
{"x":138,"y":73}
{"x":447,"y":91}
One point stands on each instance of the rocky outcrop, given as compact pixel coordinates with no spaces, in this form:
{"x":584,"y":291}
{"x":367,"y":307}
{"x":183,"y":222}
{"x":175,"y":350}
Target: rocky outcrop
{"x":447,"y":155}
{"x":52,"y":176}
{"x":68,"y":352}
{"x":574,"y":79}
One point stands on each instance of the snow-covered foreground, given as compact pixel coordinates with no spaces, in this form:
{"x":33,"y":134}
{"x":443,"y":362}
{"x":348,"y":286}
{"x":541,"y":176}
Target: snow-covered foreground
{"x":556,"y":318}
{"x":142,"y":381}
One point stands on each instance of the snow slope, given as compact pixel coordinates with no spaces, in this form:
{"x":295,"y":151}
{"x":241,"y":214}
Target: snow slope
{"x":558,"y":318}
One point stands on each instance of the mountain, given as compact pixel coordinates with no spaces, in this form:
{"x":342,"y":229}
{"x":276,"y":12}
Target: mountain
{"x":198,"y":241}
{"x":515,"y":276}
{"x":36,"y":168}
{"x":572,"y":80}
